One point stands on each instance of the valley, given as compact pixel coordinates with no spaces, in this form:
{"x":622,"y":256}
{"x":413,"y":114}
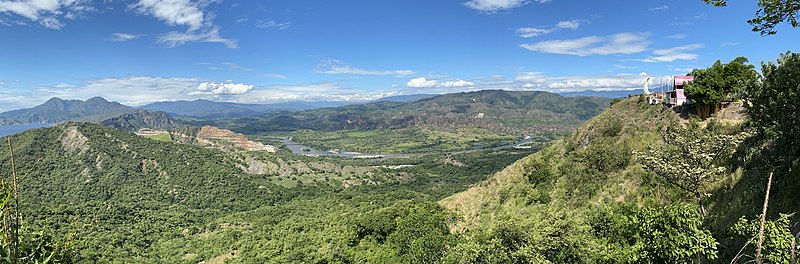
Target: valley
{"x":419,"y":132}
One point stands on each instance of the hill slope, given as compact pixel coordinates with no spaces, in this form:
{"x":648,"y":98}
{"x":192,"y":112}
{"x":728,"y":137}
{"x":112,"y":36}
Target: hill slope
{"x":133,"y":121}
{"x":114,"y":191}
{"x":571,"y":201}
{"x":57,"y":110}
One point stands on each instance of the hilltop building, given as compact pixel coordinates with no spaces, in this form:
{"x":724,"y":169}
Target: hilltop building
{"x":677,"y":96}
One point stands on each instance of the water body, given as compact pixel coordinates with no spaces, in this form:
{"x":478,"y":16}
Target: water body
{"x":14,"y":129}
{"x":301,"y":149}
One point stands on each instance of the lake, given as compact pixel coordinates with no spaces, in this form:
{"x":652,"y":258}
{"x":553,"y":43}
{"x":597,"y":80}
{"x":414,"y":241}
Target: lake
{"x":13,"y":129}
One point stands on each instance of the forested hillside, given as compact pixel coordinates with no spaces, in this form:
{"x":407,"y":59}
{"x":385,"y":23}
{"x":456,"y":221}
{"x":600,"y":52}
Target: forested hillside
{"x":588,"y":198}
{"x":495,"y":110}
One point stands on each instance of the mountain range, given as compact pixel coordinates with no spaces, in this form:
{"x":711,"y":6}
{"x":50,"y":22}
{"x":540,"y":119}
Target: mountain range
{"x":56,"y":110}
{"x":205,"y":109}
{"x":494,"y":110}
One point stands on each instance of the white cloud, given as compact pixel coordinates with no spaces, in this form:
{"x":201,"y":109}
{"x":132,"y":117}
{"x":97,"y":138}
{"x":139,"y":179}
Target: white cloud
{"x":121,"y":37}
{"x":660,"y":8}
{"x":529,"y":32}
{"x":421,"y":82}
{"x":727,"y":44}
{"x":540,"y":81}
{"x":47,"y":13}
{"x":222,"y":88}
{"x":175,"y":38}
{"x":677,"y":36}
{"x":184,"y":13}
{"x":673,"y":54}
{"x":272,"y":24}
{"x":621,"y":43}
{"x":332,"y":66}
{"x":459,"y":83}
{"x":569,"y":24}
{"x":174,"y":12}
{"x":140,"y":90}
{"x":498,"y":5}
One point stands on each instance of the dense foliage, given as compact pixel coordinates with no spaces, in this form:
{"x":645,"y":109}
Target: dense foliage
{"x":721,"y":81}
{"x":775,"y":104}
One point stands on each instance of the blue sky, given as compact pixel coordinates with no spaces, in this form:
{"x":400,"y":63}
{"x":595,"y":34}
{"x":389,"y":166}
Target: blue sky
{"x":142,"y":51}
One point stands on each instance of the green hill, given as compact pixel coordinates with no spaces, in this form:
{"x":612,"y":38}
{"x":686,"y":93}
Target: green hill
{"x":494,"y":110}
{"x":115,"y":194}
{"x":139,"y":119}
{"x":572,"y":201}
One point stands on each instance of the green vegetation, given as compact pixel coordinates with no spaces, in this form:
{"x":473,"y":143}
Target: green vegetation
{"x":504,"y":112}
{"x":405,"y":140}
{"x":733,"y":80}
{"x":161,"y":137}
{"x":635,"y":184}
{"x":118,"y":197}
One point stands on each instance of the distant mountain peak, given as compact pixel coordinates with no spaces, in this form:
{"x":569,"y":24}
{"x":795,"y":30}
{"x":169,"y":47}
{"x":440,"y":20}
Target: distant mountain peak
{"x":97,"y":99}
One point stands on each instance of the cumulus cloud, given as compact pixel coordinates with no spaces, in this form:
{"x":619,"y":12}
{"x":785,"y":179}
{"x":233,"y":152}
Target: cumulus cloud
{"x":47,"y":13}
{"x":621,"y":43}
{"x":540,"y":81}
{"x":222,"y":88}
{"x":422,"y":82}
{"x":140,"y":90}
{"x":459,"y":83}
{"x":673,"y":54}
{"x":332,"y":66}
{"x":200,"y":28}
{"x":121,"y":37}
{"x":174,"y":12}
{"x":529,"y":32}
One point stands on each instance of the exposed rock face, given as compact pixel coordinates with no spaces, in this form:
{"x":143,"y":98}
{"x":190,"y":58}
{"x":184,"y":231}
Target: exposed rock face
{"x":73,"y":141}
{"x":222,"y":137}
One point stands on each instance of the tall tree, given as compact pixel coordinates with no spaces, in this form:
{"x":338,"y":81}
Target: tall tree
{"x":690,"y":159}
{"x":712,"y":85}
{"x":776,"y":104}
{"x":770,"y":14}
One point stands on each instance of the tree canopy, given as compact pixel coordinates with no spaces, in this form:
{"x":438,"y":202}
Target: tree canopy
{"x":775,"y":103}
{"x":712,"y":85}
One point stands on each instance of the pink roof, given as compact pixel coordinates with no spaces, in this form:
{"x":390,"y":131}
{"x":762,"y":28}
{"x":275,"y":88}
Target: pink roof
{"x":679,"y":80}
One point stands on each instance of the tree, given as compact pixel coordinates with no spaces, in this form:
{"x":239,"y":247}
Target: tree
{"x":775,"y":105}
{"x":689,"y":160}
{"x":770,"y":14}
{"x":710,"y":86}
{"x":668,"y":234}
